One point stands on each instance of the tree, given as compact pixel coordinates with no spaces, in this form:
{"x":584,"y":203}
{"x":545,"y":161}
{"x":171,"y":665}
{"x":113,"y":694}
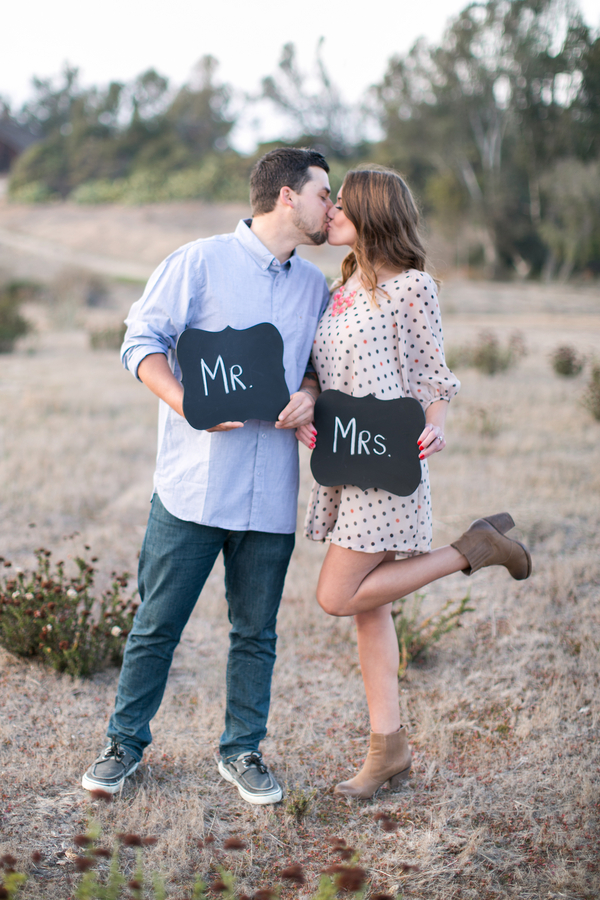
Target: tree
{"x":317,"y":114}
{"x":571,"y":224}
{"x":200,"y":112}
{"x":487,"y":112}
{"x":110,"y":133}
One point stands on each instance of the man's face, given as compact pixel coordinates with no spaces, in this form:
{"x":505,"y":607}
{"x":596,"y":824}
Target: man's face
{"x":311,"y":207}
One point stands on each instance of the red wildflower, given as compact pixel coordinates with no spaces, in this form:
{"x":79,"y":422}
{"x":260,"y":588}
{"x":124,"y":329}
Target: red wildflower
{"x":233,"y":843}
{"x":294,"y":873}
{"x":99,"y":794}
{"x":130,"y":840}
{"x":83,"y":863}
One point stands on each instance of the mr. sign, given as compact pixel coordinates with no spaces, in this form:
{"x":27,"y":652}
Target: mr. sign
{"x":231,"y":375}
{"x":368,"y":442}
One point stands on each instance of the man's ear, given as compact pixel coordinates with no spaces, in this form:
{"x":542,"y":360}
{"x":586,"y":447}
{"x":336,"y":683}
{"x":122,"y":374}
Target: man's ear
{"x":287,"y":197}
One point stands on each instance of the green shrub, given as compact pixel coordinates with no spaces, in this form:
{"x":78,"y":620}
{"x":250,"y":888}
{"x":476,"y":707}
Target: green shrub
{"x":415,"y":638}
{"x":567,"y":361}
{"x":487,"y":354}
{"x":102,"y":190}
{"x":108,"y":338}
{"x":591,"y":397}
{"x":490,"y":357}
{"x":298,"y":802}
{"x":45,"y":614}
{"x":12,"y":323}
{"x":486,"y":421}
{"x":457,"y":357}
{"x":217,"y":178}
{"x":32,"y":192}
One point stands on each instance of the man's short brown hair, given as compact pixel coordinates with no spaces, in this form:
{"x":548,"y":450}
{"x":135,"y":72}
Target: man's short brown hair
{"x":284,"y":167}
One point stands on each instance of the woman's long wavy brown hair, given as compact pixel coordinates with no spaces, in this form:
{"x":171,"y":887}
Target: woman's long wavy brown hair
{"x":380,"y":206}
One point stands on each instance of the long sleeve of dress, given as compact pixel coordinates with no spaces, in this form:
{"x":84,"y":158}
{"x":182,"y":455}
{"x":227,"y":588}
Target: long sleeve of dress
{"x":425,"y":375}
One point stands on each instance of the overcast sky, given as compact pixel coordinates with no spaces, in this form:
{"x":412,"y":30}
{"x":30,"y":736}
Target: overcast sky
{"x":118,"y":39}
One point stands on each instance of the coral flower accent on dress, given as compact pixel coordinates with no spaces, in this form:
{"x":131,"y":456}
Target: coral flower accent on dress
{"x":342,"y":301}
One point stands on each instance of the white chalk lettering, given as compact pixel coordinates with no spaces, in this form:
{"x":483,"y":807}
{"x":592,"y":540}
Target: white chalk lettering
{"x":213,"y":375}
{"x":235,"y":377}
{"x":363,"y":441}
{"x":379,"y":439}
{"x":351,"y":425}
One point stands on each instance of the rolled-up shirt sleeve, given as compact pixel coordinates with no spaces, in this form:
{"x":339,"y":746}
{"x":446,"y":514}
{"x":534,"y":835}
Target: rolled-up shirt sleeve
{"x":157,"y":319}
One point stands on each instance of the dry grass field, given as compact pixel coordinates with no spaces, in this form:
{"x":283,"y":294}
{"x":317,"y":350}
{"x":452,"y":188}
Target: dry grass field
{"x":504,"y":713}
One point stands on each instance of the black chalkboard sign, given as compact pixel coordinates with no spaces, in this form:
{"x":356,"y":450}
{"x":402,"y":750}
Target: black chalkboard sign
{"x":232,"y":375}
{"x":368,"y":442}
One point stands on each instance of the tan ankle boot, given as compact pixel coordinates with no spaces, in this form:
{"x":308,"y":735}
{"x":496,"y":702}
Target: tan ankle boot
{"x":484,"y":544}
{"x":388,"y":759}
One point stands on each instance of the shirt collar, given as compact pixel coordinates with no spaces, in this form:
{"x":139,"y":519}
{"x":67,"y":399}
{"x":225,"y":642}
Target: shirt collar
{"x":257,"y":249}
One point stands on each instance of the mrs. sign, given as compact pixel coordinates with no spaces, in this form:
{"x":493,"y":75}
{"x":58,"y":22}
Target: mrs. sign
{"x":368,"y":442}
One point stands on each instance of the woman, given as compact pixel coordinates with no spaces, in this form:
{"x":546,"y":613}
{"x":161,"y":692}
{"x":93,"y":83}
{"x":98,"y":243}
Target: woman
{"x":381,"y":335}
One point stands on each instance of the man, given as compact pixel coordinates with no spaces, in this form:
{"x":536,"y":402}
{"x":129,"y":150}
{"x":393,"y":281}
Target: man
{"x":234,"y":487}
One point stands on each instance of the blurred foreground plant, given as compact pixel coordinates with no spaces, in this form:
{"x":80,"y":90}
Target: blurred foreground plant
{"x":415,"y":638}
{"x":112,"y":874}
{"x":45,"y":614}
{"x":11,"y":880}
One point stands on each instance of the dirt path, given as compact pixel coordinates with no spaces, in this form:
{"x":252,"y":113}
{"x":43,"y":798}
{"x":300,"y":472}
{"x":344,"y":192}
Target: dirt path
{"x":127,"y":241}
{"x":58,"y":253}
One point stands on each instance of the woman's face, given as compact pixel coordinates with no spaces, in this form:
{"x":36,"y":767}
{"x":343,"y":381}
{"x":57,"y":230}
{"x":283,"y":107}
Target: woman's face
{"x":341,"y":231}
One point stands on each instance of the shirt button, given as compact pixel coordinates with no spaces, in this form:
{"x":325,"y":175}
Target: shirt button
{"x":263,"y":435}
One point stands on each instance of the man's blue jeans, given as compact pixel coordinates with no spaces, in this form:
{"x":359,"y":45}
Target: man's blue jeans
{"x":176,"y":559}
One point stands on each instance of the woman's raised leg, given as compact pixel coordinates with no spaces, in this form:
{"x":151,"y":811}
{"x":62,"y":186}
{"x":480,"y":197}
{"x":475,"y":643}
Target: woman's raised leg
{"x":349,"y":585}
{"x":352,"y":582}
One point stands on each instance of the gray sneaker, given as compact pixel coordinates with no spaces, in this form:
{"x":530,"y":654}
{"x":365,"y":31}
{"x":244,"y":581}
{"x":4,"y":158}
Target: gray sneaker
{"x":110,"y":770}
{"x":252,"y":778}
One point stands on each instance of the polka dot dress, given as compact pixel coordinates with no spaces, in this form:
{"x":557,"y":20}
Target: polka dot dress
{"x":392,"y":351}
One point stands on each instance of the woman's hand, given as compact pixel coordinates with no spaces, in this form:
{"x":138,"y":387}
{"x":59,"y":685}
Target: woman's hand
{"x":431,"y":441}
{"x":298,"y":412}
{"x":307,"y":435}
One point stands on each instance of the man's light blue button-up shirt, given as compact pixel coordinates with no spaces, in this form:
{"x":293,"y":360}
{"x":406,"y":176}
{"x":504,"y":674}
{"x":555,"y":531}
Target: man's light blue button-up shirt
{"x":246,"y":479}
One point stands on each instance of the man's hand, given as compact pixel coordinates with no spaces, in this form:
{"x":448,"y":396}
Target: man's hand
{"x":226,"y":426}
{"x":155,"y":372}
{"x":299,"y":410}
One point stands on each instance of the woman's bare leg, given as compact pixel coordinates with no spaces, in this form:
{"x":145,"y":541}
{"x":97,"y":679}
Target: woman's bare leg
{"x":353,"y":582}
{"x":379,"y":661}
